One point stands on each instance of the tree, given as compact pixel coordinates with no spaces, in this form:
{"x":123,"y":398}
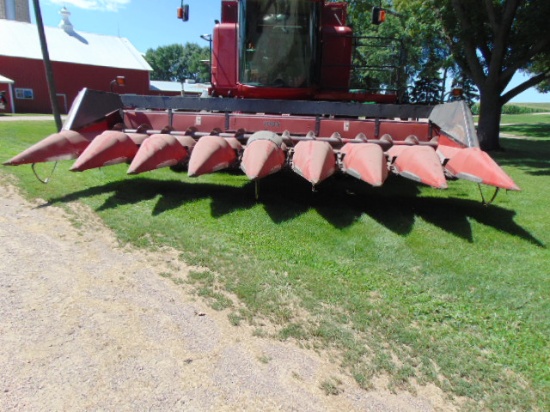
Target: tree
{"x":491,"y":40}
{"x":197,"y":59}
{"x":424,"y":60}
{"x":177,"y":63}
{"x":433,"y":68}
{"x":380,"y":55}
{"x":538,"y":66}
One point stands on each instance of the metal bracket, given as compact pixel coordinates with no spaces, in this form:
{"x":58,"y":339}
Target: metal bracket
{"x":47,"y":180}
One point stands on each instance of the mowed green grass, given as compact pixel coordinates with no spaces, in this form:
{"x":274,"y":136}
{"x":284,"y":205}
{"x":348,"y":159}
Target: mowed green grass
{"x":531,"y":125}
{"x":414,"y":283}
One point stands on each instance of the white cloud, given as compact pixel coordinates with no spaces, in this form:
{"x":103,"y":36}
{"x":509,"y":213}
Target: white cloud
{"x":101,"y":5}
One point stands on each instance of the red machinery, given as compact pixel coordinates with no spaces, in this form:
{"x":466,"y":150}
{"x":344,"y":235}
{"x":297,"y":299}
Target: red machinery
{"x":279,"y":98}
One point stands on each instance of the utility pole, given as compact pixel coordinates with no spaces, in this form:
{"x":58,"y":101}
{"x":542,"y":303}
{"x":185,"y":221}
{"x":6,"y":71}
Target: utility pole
{"x":47,"y":65}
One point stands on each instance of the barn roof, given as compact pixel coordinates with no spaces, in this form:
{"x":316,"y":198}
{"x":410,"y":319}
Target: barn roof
{"x":164,"y":86}
{"x":21,"y":40}
{"x":188,"y":86}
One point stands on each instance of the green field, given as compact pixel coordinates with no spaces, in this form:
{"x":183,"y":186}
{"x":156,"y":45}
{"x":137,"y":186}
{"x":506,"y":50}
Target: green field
{"x":406,"y":281}
{"x":543,"y":107}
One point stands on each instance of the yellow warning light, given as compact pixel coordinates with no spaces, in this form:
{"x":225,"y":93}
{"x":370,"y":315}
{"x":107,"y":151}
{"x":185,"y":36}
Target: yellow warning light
{"x":378,"y":15}
{"x":457,"y":92}
{"x":118,"y":81}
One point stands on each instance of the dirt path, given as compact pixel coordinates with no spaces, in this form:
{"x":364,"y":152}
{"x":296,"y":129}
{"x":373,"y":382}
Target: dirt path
{"x":86,"y":325}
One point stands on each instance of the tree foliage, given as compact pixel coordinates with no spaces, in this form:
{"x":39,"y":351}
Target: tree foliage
{"x":490,"y":41}
{"x":540,"y":64}
{"x":177,"y":63}
{"x":425,"y":59}
{"x":480,"y":44}
{"x":380,"y":60}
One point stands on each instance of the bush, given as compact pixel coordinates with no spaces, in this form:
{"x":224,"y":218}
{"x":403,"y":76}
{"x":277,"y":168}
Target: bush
{"x":513,"y":109}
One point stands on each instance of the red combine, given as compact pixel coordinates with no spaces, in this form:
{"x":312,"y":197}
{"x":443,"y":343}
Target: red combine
{"x":280,"y":98}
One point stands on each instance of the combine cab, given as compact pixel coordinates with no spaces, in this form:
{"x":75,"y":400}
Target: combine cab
{"x":279,"y":99}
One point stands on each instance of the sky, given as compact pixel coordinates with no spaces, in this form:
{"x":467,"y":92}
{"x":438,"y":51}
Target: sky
{"x":146,"y":23}
{"x":153,"y":23}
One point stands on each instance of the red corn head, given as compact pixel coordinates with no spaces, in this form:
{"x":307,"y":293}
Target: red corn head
{"x":186,"y":141}
{"x":210,"y":154}
{"x":365,"y":161}
{"x":158,"y":150}
{"x":418,"y":163}
{"x":263,"y":155}
{"x":109,"y":148}
{"x":475,"y":165}
{"x":65,"y":145}
{"x":315,"y":161}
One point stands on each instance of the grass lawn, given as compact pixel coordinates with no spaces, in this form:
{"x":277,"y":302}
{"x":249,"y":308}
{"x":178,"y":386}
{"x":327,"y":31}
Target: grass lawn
{"x":418,"y":284}
{"x":532,"y":125}
{"x":24,"y":114}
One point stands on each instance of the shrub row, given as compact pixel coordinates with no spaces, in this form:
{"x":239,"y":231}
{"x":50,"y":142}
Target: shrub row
{"x":511,"y":109}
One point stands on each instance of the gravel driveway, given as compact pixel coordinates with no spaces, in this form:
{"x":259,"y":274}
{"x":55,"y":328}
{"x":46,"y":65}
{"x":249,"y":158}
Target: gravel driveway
{"x":87,"y":325}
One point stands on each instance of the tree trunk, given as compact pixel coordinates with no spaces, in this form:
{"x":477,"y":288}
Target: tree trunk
{"x":488,"y":128}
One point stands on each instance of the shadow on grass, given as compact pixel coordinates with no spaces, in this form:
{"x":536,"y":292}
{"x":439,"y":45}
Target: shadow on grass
{"x":340,"y":201}
{"x":527,"y":129}
{"x":532,"y":156}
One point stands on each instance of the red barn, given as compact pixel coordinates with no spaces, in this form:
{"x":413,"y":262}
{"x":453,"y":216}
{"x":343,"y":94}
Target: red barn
{"x":78,"y":59}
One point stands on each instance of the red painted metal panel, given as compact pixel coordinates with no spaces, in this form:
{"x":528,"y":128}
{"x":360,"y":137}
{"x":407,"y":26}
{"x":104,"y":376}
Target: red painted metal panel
{"x":278,"y":124}
{"x":445,"y":141}
{"x":335,"y":14}
{"x":336,"y":57}
{"x":224,"y":58}
{"x":203,"y":122}
{"x":230,"y":11}
{"x":157,"y":120}
{"x":401,"y":130}
{"x":347,"y":128}
{"x":97,"y":128}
